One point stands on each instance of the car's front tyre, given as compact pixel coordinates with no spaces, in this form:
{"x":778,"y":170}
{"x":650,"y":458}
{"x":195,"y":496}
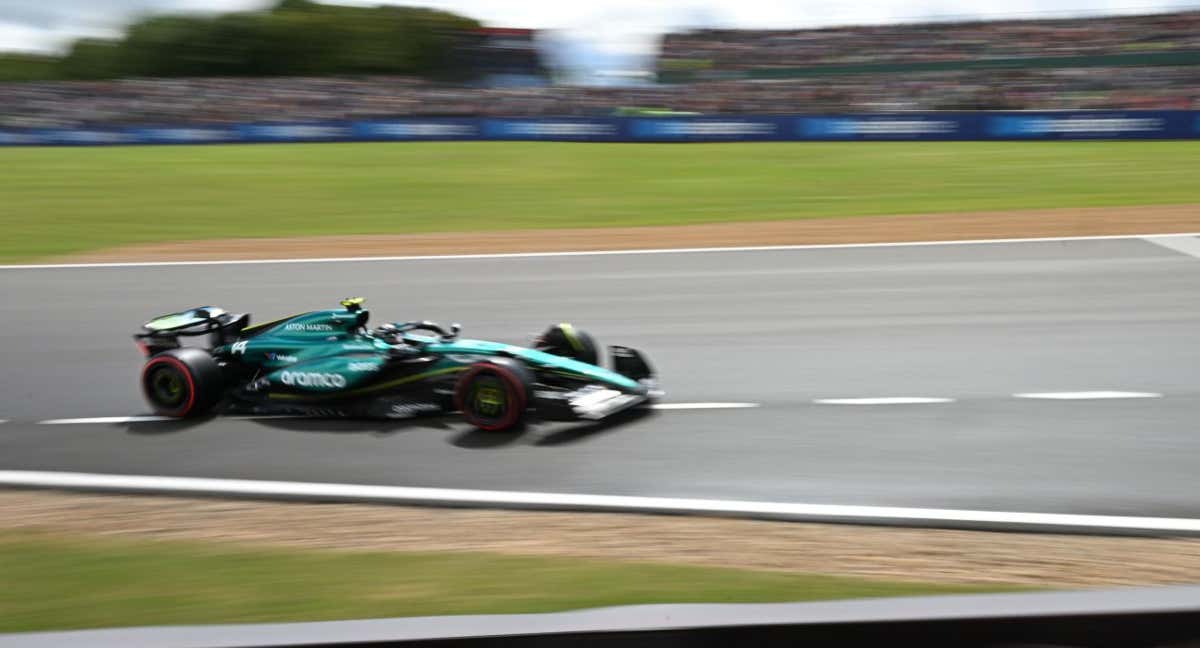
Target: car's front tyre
{"x":494,"y":395}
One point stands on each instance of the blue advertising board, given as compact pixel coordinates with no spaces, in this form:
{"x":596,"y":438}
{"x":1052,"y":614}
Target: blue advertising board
{"x":1159,"y":124}
{"x":551,"y":129}
{"x":432,"y":129}
{"x":961,"y":126}
{"x":916,"y":126}
{"x":732,"y":128}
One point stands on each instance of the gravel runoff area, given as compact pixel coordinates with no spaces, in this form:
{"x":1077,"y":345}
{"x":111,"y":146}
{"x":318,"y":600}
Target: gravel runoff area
{"x":915,"y":555}
{"x":1091,"y":221}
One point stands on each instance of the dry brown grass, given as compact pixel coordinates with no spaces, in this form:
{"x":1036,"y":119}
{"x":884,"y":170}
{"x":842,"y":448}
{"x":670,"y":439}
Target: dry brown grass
{"x":1095,"y":221}
{"x":925,"y":555}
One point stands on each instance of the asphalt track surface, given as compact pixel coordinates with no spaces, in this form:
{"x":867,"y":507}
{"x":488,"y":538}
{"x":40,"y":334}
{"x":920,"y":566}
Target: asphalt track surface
{"x":971,"y":324}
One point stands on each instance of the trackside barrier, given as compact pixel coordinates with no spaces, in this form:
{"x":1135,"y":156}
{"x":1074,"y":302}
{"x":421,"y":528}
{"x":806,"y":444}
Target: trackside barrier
{"x":1133,"y":618}
{"x":965,"y":126}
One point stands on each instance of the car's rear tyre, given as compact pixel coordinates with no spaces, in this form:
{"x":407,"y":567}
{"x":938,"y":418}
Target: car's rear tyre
{"x":182,"y":382}
{"x":494,"y":395}
{"x":567,"y":341}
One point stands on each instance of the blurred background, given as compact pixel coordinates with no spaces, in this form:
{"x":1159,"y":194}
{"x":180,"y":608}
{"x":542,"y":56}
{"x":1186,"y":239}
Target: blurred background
{"x":71,"y":64}
{"x":1045,"y":379}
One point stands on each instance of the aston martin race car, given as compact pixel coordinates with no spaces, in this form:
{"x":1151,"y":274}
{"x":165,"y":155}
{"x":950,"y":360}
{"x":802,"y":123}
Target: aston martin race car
{"x":327,"y":363}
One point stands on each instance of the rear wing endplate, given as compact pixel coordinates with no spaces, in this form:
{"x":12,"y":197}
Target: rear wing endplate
{"x":202,"y":320}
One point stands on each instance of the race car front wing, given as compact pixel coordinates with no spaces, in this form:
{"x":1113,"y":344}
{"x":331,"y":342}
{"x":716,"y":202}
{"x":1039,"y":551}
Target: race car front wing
{"x":590,"y":403}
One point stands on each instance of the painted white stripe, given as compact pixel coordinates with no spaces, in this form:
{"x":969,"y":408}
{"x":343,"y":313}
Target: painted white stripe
{"x":702,"y":406}
{"x":1189,"y":245}
{"x":150,"y":419}
{"x":586,"y":502}
{"x":886,"y":400}
{"x":105,"y":419}
{"x":3,"y":421}
{"x":525,"y":255}
{"x":1087,"y":395}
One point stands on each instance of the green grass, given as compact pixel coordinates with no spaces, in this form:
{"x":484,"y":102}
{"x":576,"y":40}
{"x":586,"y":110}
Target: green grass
{"x":63,"y":200}
{"x":51,"y":582}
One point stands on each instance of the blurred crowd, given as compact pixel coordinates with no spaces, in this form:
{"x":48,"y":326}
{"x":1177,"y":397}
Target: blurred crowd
{"x":286,"y":99}
{"x":919,"y":43}
{"x":293,"y":99}
{"x":1145,"y":88}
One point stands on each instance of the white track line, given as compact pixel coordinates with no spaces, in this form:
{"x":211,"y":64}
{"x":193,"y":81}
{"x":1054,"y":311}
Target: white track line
{"x":886,"y":400}
{"x":1087,"y":395}
{"x":702,"y":406}
{"x":584,"y":502}
{"x":526,"y":255}
{"x":151,"y":419}
{"x":1188,"y":245}
{"x":105,"y":419}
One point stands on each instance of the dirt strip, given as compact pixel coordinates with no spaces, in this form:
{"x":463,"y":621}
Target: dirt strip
{"x":1098,"y":221}
{"x":898,"y":554}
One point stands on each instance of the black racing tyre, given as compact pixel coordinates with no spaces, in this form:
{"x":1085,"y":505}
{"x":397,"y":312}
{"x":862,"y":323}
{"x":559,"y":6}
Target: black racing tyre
{"x":182,"y":382}
{"x":493,"y":395}
{"x":567,"y":341}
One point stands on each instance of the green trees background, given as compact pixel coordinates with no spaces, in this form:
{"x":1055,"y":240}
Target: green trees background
{"x":295,"y":37}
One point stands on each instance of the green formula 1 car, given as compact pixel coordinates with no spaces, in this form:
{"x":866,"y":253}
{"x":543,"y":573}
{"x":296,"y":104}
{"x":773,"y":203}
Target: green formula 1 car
{"x":328,"y":363}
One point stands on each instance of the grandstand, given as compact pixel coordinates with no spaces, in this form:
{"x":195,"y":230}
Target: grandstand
{"x":1158,"y":39}
{"x":1129,"y":62}
{"x":1124,"y":62}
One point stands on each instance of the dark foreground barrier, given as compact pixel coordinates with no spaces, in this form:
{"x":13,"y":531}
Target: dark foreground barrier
{"x":1077,"y":125}
{"x":1133,"y":618}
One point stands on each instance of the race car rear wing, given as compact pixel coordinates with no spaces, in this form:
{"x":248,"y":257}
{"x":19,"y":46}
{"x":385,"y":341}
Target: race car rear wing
{"x":163,"y":332}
